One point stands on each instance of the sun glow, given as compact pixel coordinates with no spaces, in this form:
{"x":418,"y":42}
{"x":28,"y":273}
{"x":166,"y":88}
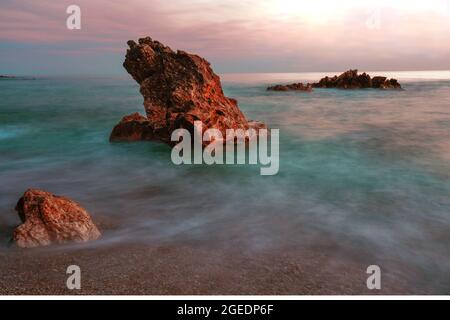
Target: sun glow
{"x":322,"y":11}
{"x":317,"y":11}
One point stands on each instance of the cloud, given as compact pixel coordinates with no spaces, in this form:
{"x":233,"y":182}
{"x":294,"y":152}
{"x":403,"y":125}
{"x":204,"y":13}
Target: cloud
{"x":250,"y":35}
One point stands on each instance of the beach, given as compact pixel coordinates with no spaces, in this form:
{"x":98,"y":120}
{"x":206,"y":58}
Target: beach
{"x":137,"y":269}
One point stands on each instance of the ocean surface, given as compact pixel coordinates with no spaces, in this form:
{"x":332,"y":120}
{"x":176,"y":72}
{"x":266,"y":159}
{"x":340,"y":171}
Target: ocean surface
{"x":364,"y":174}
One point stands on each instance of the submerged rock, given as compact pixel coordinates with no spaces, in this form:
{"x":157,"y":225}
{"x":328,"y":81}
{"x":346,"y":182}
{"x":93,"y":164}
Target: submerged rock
{"x":178,"y":89}
{"x":352,"y":80}
{"x":291,"y":87}
{"x":51,"y":219}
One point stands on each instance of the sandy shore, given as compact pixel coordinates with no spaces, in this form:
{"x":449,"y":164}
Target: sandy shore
{"x":175,"y":270}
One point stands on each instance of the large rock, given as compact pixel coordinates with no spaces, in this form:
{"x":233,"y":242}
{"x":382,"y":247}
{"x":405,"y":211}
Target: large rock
{"x":352,"y":80}
{"x":178,"y":88}
{"x":50,"y":219}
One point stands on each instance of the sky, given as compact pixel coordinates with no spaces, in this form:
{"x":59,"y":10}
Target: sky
{"x":234,"y":35}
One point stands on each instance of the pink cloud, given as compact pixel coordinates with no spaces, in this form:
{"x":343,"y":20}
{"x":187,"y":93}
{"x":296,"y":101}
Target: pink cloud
{"x":238,"y":30}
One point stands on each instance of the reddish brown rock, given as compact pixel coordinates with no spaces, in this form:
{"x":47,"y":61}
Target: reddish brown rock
{"x":377,"y":81}
{"x":364,"y":81}
{"x":352,"y":80}
{"x":291,"y":87}
{"x":390,"y":84}
{"x":178,"y":88}
{"x":133,"y":127}
{"x":50,"y":219}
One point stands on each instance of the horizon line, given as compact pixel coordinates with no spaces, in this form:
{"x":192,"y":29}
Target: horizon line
{"x":219,"y":73}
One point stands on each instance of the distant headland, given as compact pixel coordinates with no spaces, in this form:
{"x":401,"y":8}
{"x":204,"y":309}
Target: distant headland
{"x":347,"y":80}
{"x":7,"y":77}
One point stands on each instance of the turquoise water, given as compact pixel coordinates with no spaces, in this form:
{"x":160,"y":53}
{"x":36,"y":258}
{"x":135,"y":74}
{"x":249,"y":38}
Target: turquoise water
{"x":363,"y":174}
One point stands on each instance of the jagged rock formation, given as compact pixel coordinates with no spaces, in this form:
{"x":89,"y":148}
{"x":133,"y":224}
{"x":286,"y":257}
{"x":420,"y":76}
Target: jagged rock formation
{"x":50,"y":219}
{"x":352,"y":80}
{"x":178,"y":89}
{"x":291,"y":87}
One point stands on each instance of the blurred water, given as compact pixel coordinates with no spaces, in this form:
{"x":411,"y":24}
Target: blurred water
{"x":362,"y":173}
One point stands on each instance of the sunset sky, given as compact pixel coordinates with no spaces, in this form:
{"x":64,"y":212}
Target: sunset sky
{"x":234,"y":35}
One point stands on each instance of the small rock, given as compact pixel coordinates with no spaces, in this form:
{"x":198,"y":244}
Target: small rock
{"x":291,"y":87}
{"x":377,"y":81}
{"x":134,"y":127}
